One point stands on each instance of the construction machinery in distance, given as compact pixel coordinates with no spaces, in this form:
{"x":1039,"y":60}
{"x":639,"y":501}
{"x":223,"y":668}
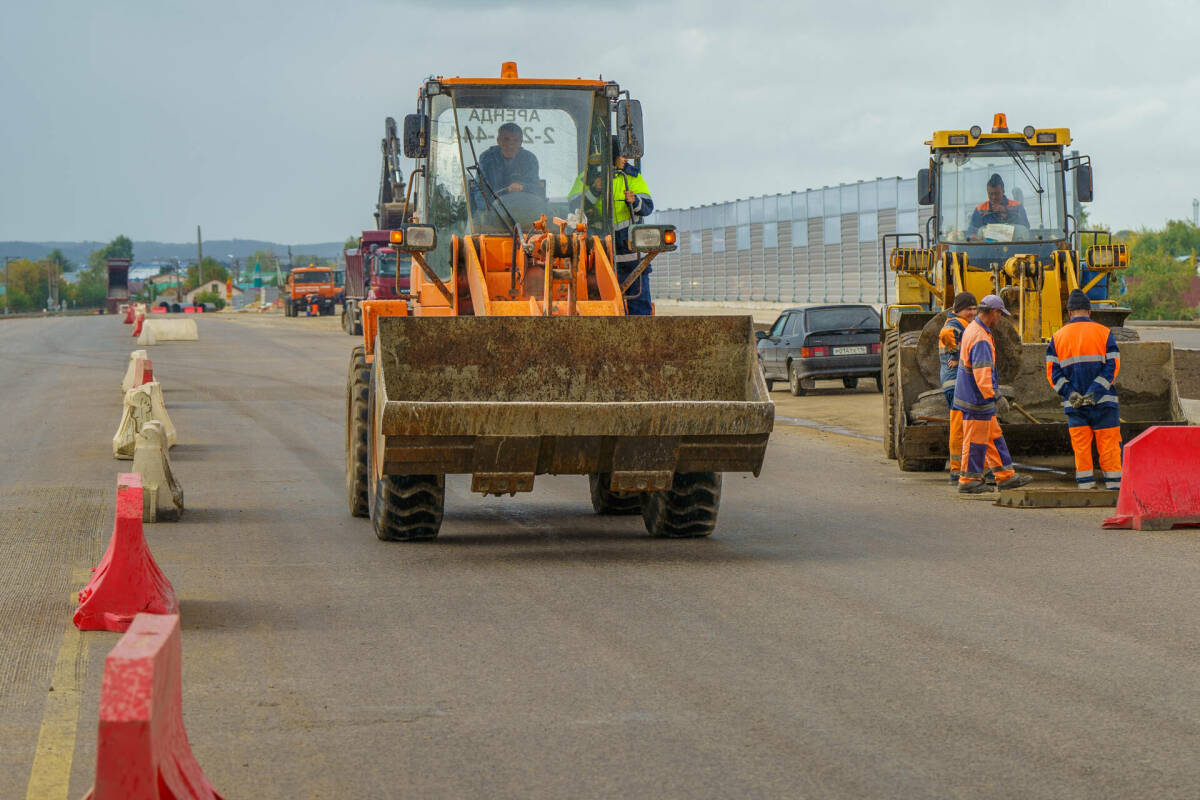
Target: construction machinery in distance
{"x":1032,"y":262}
{"x":517,"y":357}
{"x":374,"y":270}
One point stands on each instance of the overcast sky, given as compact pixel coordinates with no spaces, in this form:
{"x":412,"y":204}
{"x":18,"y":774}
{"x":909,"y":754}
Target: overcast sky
{"x":263,"y":120}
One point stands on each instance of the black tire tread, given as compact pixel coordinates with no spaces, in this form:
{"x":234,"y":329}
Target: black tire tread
{"x":687,"y":510}
{"x":358,"y":388}
{"x":409,"y":507}
{"x":606,"y":501}
{"x":891,"y":352}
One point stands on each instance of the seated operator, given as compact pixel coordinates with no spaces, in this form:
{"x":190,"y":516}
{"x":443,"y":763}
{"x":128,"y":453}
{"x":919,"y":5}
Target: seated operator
{"x":997,"y":209}
{"x":507,"y":167}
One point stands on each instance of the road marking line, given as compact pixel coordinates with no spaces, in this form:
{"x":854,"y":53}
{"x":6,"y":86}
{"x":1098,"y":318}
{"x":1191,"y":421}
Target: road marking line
{"x":50,"y":777}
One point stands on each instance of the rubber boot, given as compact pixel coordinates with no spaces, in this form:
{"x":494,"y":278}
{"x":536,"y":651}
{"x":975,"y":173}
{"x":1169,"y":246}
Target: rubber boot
{"x":1015,"y":482}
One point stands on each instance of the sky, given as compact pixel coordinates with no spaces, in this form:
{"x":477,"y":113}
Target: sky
{"x":262,"y":120}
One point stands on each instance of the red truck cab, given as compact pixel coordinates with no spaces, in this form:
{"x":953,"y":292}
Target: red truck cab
{"x":374,"y":271}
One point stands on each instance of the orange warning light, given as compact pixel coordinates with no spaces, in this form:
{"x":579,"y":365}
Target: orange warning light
{"x":999,"y":124}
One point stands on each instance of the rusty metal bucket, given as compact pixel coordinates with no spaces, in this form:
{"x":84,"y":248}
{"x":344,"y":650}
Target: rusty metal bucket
{"x":508,"y":398}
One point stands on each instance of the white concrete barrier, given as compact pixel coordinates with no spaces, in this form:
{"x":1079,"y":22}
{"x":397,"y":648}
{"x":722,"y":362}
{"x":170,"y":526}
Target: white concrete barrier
{"x":132,"y":373}
{"x":162,"y":497}
{"x":141,"y":405}
{"x":156,"y":330}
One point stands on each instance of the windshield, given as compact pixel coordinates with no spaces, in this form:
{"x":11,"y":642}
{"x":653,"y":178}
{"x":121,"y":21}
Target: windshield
{"x":385,"y":265}
{"x":339,"y":278}
{"x":533,"y":148}
{"x":992,"y":195}
{"x":316,"y":276}
{"x":844,"y":318}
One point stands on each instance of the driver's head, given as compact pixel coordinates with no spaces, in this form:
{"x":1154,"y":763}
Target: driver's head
{"x":995,"y":189}
{"x":509,"y":138}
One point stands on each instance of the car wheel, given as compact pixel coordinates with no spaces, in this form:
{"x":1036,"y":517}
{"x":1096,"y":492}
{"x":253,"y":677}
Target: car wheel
{"x":795,"y":384}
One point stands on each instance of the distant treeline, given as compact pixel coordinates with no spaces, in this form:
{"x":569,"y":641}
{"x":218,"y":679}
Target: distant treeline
{"x":146,"y":252}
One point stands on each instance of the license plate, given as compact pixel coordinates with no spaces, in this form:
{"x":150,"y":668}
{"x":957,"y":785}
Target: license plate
{"x":859,"y":350}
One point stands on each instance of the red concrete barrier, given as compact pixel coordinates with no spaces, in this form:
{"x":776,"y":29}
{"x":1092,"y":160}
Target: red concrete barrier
{"x":158,"y":310}
{"x":1160,"y":480}
{"x":189,"y":309}
{"x":129,"y":314}
{"x":146,"y":374}
{"x":127,"y":581}
{"x":142,"y":751}
{"x":138,"y":319}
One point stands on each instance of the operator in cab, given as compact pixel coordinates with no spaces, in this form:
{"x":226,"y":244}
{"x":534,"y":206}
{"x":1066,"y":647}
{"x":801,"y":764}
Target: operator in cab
{"x":507,"y":167}
{"x":996,"y":209}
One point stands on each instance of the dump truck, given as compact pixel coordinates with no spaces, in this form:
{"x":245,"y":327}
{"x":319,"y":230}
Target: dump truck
{"x":118,"y":284}
{"x":307,"y":287}
{"x":517,"y":358}
{"x":374,"y":270}
{"x":1031,"y":253}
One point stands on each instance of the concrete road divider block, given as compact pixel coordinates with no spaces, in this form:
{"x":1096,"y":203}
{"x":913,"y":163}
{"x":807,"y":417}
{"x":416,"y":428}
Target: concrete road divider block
{"x":168,"y":330}
{"x":139,"y":322}
{"x":141,"y":405}
{"x":131,"y":373}
{"x":136,"y":411}
{"x":162,"y":497}
{"x":142,"y":751}
{"x":1160,"y":480}
{"x":127,"y":582}
{"x":127,"y":310}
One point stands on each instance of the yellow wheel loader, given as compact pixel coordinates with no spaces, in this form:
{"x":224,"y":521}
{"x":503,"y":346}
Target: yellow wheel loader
{"x":513,"y":356}
{"x":1001,"y":225}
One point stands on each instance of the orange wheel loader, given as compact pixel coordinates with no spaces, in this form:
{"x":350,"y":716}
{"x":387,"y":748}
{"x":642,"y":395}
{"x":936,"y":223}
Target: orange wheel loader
{"x":516,"y":357}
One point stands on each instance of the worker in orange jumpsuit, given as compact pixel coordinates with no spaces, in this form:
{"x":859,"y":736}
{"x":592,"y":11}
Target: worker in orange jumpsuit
{"x":949,"y":339}
{"x":977,"y":396}
{"x":1082,"y":362}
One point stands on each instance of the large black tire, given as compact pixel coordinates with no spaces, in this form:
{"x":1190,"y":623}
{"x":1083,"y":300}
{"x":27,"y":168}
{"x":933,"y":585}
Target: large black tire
{"x":408,"y":508}
{"x":606,"y":501}
{"x":891,"y":353}
{"x":685,"y":511}
{"x":404,"y":508}
{"x":908,"y":339}
{"x":289,"y":308}
{"x":358,"y":391}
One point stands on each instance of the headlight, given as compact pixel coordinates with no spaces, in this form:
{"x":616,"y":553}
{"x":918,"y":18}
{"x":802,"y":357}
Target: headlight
{"x":415,"y":238}
{"x":1107,"y":256}
{"x":652,"y":237}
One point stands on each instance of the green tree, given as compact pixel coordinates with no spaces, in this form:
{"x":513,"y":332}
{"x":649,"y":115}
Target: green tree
{"x":1156,"y":284}
{"x":213,"y":270}
{"x":28,"y":284}
{"x":210,"y":297}
{"x":350,"y":243}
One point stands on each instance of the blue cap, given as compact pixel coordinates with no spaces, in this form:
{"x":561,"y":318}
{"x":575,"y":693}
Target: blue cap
{"x":994,"y":303}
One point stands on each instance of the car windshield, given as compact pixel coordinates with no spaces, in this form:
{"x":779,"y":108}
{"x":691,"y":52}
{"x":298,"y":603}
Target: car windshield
{"x":317,"y":276}
{"x":519,"y":152}
{"x":339,"y":278}
{"x":842,"y":318}
{"x":1000,"y":193}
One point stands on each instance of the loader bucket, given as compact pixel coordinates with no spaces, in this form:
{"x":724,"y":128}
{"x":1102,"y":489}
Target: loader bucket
{"x":507,"y":398}
{"x":1146,"y":387}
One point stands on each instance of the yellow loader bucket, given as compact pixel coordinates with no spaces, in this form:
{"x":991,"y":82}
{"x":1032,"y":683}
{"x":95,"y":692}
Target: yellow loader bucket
{"x":508,"y":398}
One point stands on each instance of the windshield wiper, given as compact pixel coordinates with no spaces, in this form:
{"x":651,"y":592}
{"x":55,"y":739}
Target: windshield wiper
{"x":1037,"y":185}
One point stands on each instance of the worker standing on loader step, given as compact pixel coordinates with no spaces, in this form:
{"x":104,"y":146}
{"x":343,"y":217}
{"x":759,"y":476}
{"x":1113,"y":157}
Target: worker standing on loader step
{"x":977,"y":396}
{"x":1082,"y":362}
{"x":949,"y":341}
{"x":631,"y":204}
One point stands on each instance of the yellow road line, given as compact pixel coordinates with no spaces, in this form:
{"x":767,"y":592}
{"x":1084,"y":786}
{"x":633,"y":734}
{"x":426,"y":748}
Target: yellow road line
{"x":50,"y":777}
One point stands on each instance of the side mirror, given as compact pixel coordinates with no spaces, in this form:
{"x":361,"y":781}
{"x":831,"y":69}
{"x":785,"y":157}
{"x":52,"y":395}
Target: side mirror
{"x":760,"y":335}
{"x":416,"y":137}
{"x":926,"y":193}
{"x":1083,"y":183}
{"x":630,"y":143}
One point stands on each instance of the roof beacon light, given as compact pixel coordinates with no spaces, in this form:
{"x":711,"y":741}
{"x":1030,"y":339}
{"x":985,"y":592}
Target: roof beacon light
{"x":1029,"y":131}
{"x":999,"y":124}
{"x":508,"y":69}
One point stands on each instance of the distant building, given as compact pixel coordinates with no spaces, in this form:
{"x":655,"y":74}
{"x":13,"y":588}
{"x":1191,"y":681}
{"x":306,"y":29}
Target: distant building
{"x":218,"y":287}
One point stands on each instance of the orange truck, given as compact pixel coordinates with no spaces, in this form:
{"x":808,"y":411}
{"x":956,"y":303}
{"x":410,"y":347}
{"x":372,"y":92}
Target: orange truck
{"x":513,"y":355}
{"x":307,"y":287}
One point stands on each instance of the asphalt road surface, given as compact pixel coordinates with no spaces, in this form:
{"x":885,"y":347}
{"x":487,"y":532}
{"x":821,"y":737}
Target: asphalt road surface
{"x":849,"y":631}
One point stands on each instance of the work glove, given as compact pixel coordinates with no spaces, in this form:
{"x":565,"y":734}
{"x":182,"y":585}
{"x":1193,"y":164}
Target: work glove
{"x":1075,"y":399}
{"x":1001,"y":404}
{"x":1088,"y":399}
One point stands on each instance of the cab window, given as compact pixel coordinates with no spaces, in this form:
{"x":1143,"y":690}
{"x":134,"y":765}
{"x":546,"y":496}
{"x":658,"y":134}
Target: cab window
{"x":777,"y":328}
